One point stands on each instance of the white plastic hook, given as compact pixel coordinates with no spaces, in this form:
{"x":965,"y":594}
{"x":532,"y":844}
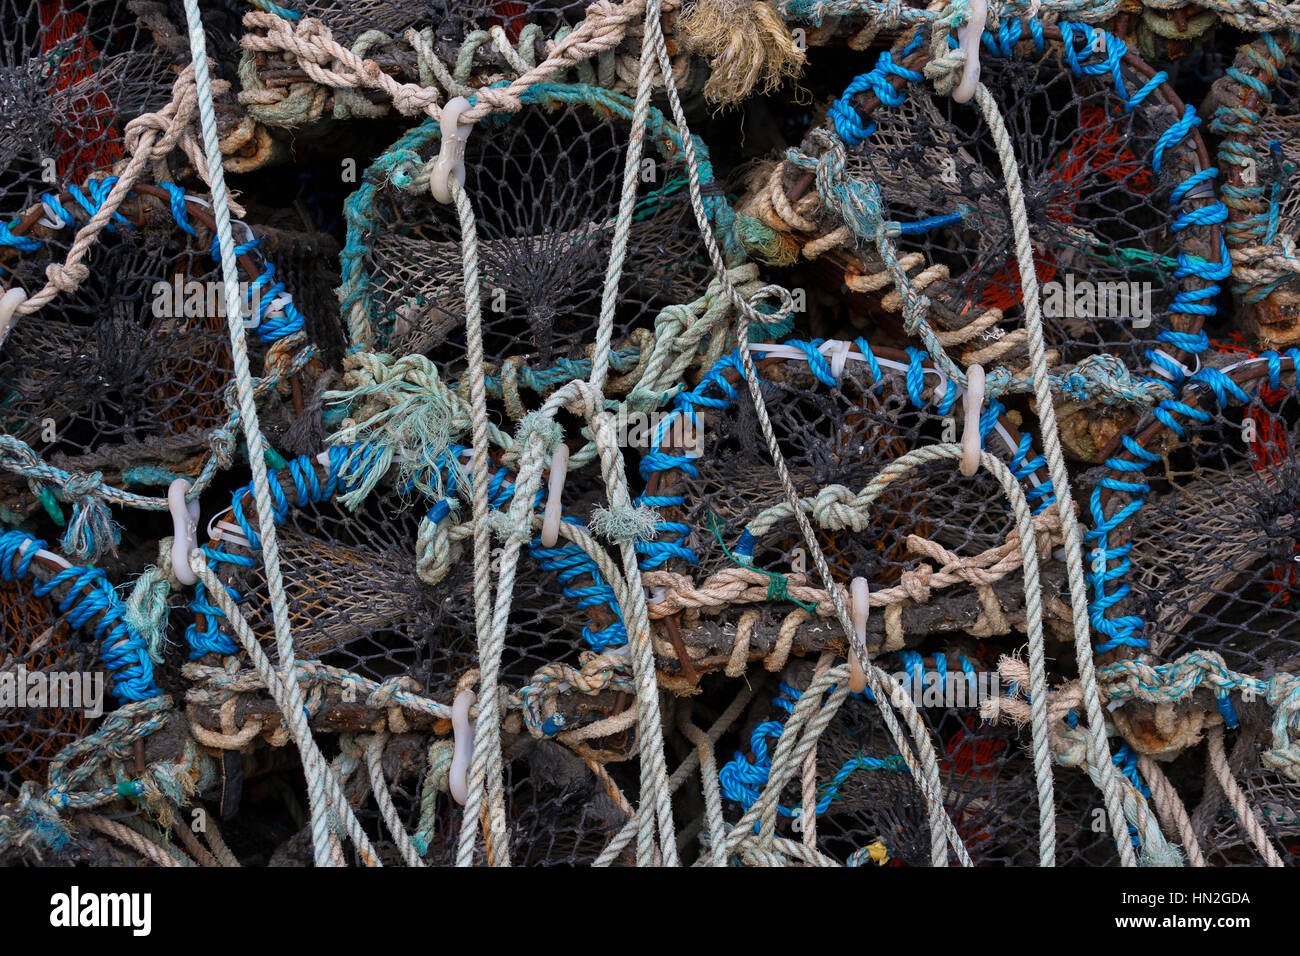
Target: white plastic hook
{"x":860,"y":609}
{"x":185,"y":530}
{"x":9,"y":304}
{"x":554,"y":491}
{"x":462,"y":731}
{"x":970,"y":436}
{"x":969,"y":35}
{"x":839,"y":356}
{"x":451,"y":157}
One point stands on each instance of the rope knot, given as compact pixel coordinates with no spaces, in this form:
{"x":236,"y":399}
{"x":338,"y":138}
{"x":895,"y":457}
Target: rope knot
{"x":402,"y":409}
{"x":91,"y":528}
{"x":222,"y":442}
{"x":386,"y":693}
{"x":834,"y":508}
{"x":1107,"y":379}
{"x":83,"y":485}
{"x":67,"y":278}
{"x":944,"y":70}
{"x":507,"y":530}
{"x":945,"y":64}
{"x":544,"y":427}
{"x":408,"y":100}
{"x":856,"y":200}
{"x":916,"y":583}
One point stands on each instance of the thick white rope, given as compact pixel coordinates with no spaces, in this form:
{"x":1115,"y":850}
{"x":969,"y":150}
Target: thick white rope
{"x":1098,"y":746}
{"x":923,"y":764}
{"x":486,"y":765}
{"x":252,"y":430}
{"x":314,"y":764}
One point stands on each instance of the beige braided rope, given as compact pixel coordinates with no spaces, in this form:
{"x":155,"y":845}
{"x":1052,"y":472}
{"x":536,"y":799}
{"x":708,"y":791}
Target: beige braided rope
{"x":327,"y":62}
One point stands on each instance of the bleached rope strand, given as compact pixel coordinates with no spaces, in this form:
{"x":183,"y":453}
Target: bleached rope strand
{"x":252,"y":429}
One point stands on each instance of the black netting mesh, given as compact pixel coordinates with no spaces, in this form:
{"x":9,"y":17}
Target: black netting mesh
{"x":1215,"y":546}
{"x":132,"y":373}
{"x":547,"y":185}
{"x":124,"y":382}
{"x":72,"y":74}
{"x":156,"y":377}
{"x":1100,"y":211}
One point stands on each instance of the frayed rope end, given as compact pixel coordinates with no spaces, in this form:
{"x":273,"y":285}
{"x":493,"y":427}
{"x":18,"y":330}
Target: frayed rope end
{"x":627,"y":523}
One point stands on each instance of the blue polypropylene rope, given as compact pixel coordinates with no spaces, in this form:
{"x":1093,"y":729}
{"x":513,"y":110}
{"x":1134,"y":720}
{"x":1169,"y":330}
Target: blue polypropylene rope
{"x":90,"y":597}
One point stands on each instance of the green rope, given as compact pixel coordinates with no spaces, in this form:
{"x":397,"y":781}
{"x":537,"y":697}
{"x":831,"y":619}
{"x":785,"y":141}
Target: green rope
{"x":778,"y":585}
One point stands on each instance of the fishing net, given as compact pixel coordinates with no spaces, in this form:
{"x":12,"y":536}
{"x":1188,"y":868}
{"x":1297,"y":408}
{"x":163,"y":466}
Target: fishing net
{"x":353,"y":594}
{"x":1215,"y":555}
{"x":1193,"y":574}
{"x":869,"y":809}
{"x":1124,"y":262}
{"x":1255,"y":114}
{"x":446,"y":21}
{"x":37,"y":642}
{"x":129,"y":381}
{"x":543,"y":241}
{"x":72,"y":74}
{"x":603,"y":592}
{"x":60,"y":674}
{"x":1208,"y":526}
{"x":932,"y":532}
{"x":1274,"y":798}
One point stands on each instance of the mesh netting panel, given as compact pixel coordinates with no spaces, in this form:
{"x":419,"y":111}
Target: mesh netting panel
{"x":1100,"y":215}
{"x":355,"y":600}
{"x":1274,"y":800}
{"x":38,"y":647}
{"x":560,"y":813}
{"x":109,"y":370}
{"x":120,"y":364}
{"x":866,"y":795}
{"x":837,"y":435}
{"x":72,"y":73}
{"x":546,"y":190}
{"x":1214,"y":555}
{"x":128,"y":375}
